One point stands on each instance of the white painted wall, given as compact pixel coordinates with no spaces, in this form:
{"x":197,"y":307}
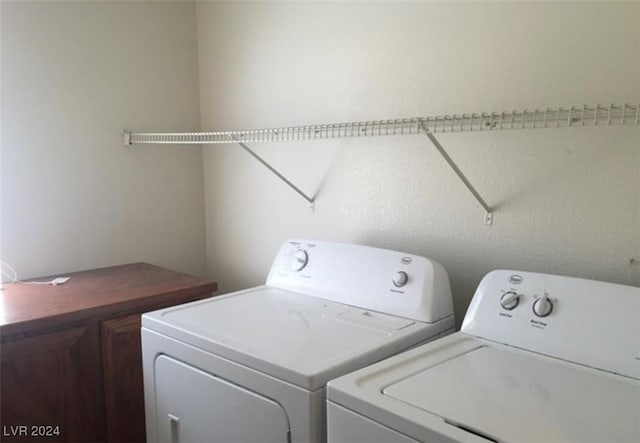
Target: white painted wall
{"x":73,"y":75}
{"x":567,"y":200}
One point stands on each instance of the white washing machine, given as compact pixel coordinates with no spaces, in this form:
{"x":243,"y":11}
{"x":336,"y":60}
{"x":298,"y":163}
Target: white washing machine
{"x":540,"y":358}
{"x":252,"y":366}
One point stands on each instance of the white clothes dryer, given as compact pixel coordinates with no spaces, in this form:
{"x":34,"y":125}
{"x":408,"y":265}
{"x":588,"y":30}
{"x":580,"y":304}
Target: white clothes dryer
{"x":252,"y":366}
{"x":540,"y":358}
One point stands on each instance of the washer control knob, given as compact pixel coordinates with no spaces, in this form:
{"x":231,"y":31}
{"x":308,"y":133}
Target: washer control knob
{"x":509,"y":300}
{"x":299,"y":260}
{"x":400,"y":279}
{"x":542,"y":306}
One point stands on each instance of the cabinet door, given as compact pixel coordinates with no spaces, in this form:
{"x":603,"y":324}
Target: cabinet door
{"x":124,"y":394}
{"x":49,"y":389}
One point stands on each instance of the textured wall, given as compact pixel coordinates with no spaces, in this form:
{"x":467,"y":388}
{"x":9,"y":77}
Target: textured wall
{"x":73,"y":75}
{"x":567,"y":200}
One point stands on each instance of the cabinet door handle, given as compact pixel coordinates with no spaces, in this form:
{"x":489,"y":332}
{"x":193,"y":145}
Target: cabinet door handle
{"x":173,"y":424}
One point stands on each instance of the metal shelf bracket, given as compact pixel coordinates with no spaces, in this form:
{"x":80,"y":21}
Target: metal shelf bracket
{"x":488,"y":219}
{"x":126,"y":137}
{"x":310,"y":200}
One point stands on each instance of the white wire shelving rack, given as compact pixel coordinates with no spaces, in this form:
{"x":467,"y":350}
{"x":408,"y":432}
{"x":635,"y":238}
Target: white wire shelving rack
{"x":562,"y":117}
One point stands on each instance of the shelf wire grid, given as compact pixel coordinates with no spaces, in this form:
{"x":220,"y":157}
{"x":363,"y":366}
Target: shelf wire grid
{"x":575,"y":116}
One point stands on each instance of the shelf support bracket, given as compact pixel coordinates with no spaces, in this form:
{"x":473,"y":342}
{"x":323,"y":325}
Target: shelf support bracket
{"x":310,"y":200}
{"x":489,"y":210}
{"x":126,"y":137}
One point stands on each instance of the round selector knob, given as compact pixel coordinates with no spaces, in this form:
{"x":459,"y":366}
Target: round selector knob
{"x":299,"y":260}
{"x":509,"y":300}
{"x":400,"y":279}
{"x":542,"y":306}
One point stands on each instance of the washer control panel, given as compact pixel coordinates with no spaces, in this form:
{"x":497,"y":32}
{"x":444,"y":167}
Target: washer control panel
{"x":400,"y":279}
{"x":510,"y":300}
{"x":381,"y":280}
{"x":585,"y":321}
{"x":298,"y":260}
{"x":541,"y":306}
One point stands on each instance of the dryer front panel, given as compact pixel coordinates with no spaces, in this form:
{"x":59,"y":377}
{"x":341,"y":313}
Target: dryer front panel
{"x":195,"y":406}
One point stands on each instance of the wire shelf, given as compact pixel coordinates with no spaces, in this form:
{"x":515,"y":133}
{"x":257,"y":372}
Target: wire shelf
{"x":492,"y":121}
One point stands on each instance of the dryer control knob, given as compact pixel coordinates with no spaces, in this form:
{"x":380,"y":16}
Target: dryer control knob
{"x":299,"y":260}
{"x":400,"y":279}
{"x":509,"y":300}
{"x":542,"y":306}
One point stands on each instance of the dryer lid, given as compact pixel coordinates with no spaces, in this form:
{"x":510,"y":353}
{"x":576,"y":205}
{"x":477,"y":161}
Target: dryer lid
{"x":304,"y":340}
{"x":513,"y":396}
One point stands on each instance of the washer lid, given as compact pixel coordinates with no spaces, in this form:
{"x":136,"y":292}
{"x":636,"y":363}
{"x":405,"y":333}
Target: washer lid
{"x":304,"y":340}
{"x":510,"y":396}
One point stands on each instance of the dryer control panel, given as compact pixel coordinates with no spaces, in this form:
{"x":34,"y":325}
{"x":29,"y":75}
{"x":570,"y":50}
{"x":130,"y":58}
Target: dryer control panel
{"x":589,"y":322}
{"x":392,"y":282}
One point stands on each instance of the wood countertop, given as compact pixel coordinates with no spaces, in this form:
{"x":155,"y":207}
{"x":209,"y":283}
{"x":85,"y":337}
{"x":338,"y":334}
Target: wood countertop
{"x":26,"y":308}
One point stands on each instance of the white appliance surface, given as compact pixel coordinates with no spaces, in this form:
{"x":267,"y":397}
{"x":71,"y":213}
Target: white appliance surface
{"x":516,"y":397}
{"x":301,"y":339}
{"x":512,"y":374}
{"x":253,"y":365}
{"x":186,"y":405}
{"x":366,"y":277}
{"x":592,"y":323}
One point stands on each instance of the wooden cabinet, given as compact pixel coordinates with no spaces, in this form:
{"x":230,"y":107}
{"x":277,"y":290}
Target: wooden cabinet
{"x":45,"y":382}
{"x":122,"y":365}
{"x":70,"y":356}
